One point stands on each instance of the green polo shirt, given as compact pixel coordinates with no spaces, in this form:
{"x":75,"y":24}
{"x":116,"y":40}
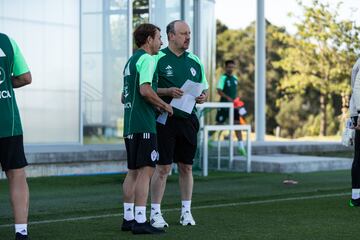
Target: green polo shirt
{"x":174,"y":70}
{"x":228,"y":84}
{"x":12,"y":64}
{"x":139,"y":114}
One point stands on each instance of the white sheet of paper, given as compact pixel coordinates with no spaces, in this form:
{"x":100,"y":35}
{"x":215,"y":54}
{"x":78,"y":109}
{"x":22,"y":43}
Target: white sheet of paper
{"x":191,"y":91}
{"x":162,"y":118}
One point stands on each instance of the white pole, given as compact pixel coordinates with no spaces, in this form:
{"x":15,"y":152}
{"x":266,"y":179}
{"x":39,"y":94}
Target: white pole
{"x":205,"y":153}
{"x":260,"y":72}
{"x":231,"y":153}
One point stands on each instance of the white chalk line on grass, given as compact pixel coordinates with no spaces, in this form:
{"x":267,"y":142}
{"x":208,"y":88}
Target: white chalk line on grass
{"x":197,"y":207}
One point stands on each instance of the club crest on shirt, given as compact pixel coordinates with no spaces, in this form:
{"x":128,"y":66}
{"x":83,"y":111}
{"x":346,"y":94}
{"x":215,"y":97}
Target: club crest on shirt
{"x":154,"y":155}
{"x":193,"y":71}
{"x":169,"y":71}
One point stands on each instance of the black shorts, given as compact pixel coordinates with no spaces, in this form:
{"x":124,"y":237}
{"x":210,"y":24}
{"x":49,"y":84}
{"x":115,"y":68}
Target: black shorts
{"x":178,"y":140}
{"x":222,"y":115}
{"x":141,"y":149}
{"x":12,"y":154}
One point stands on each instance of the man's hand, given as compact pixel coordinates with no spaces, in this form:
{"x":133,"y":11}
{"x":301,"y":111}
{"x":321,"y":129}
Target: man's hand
{"x":174,"y":92}
{"x":202,"y":98}
{"x":168,"y":108}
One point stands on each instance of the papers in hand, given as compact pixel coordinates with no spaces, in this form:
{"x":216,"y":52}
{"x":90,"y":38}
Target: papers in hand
{"x":187,"y":102}
{"x":162,"y":118}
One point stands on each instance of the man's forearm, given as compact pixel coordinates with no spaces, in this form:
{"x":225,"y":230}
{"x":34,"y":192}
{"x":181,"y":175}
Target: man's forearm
{"x":21,"y":80}
{"x":222,"y":94}
{"x":162,"y":92}
{"x":147,"y":92}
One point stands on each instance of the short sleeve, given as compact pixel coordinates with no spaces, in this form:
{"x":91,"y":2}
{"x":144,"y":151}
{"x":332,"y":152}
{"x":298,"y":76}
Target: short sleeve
{"x":221,"y":82}
{"x":20,"y":66}
{"x":146,"y":67}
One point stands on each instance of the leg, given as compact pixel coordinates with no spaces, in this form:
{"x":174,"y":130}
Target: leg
{"x":142,"y":185}
{"x":186,"y":181}
{"x":355,"y":173}
{"x":166,"y":142}
{"x":240,"y":147}
{"x":184,"y":154}
{"x":141,"y":226}
{"x":238,"y":135}
{"x":355,"y":168}
{"x":129,"y":186}
{"x":19,"y":194}
{"x":158,"y":183}
{"x":129,"y":199}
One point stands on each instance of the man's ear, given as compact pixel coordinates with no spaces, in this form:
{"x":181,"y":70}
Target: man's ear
{"x":149,"y":39}
{"x":171,"y":35}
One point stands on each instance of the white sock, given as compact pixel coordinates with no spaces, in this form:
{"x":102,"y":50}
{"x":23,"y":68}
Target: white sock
{"x":185,"y":206}
{"x":129,"y":211}
{"x":241,"y":144}
{"x":21,"y":228}
{"x":355,"y":194}
{"x":140,"y":214}
{"x":155,"y":208}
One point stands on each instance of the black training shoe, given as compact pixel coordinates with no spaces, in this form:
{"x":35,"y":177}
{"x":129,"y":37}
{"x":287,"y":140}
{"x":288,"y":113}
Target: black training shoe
{"x":127,"y":225}
{"x":145,"y":228}
{"x":19,"y":236}
{"x":354,"y":202}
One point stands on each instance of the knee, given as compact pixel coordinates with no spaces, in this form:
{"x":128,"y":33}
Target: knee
{"x":185,"y":169}
{"x":15,"y":174}
{"x":163,"y":171}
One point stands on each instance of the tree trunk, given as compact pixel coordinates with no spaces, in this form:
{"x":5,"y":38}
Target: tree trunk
{"x":323,"y":120}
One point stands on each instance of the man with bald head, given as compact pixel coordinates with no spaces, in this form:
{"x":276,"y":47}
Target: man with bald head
{"x":177,"y":139}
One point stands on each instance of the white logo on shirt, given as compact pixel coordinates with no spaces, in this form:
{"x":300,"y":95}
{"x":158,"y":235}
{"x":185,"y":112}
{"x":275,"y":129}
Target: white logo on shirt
{"x":193,"y":71}
{"x":127,"y":105}
{"x":2,"y":75}
{"x":169,"y":71}
{"x":2,"y":54}
{"x":127,"y":70}
{"x":4,"y":94}
{"x":126,"y":92}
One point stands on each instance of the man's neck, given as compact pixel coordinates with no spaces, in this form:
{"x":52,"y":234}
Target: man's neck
{"x":147,"y":49}
{"x":177,"y":52}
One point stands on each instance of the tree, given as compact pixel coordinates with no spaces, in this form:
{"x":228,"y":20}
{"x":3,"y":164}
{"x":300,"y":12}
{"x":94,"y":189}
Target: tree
{"x":239,"y":45}
{"x":318,"y":57}
{"x":220,"y":27}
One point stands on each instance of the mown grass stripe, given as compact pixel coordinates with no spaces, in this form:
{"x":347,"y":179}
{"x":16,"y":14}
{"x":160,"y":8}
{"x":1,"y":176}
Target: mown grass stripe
{"x":194,"y":208}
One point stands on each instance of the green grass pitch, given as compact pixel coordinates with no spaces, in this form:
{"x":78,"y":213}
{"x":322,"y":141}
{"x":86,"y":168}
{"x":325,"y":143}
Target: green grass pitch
{"x":225,"y":206}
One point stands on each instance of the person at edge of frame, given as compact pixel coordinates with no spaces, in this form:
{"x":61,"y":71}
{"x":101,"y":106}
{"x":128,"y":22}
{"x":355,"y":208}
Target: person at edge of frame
{"x":14,"y":73}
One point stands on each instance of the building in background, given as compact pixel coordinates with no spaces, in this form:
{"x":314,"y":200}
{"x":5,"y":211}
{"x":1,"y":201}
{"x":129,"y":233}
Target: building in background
{"x":76,"y":50}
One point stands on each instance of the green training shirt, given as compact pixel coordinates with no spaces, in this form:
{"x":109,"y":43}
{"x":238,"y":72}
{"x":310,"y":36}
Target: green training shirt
{"x":12,"y":64}
{"x":174,"y":70}
{"x":228,"y":84}
{"x":139,"y":116}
